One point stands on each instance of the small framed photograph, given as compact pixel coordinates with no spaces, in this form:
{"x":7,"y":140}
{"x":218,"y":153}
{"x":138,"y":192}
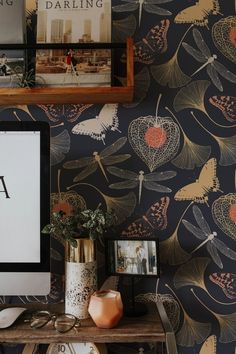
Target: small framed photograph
{"x":138,"y":257}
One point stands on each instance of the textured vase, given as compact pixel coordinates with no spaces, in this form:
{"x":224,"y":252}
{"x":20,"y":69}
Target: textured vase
{"x":80,"y":277}
{"x":106,"y":308}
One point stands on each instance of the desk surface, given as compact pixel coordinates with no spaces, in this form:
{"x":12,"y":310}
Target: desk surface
{"x":153,"y":327}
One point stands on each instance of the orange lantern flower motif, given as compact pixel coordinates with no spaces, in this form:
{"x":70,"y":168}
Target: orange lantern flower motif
{"x":67,"y":202}
{"x":232,"y":35}
{"x":224,"y":214}
{"x":155,"y":139}
{"x":232,"y":212}
{"x":224,"y":37}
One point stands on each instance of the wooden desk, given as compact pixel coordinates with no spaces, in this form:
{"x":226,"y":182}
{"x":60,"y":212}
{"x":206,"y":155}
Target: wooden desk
{"x":153,"y":327}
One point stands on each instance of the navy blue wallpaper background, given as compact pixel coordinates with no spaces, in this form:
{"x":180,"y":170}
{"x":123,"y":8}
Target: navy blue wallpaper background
{"x":180,"y":131}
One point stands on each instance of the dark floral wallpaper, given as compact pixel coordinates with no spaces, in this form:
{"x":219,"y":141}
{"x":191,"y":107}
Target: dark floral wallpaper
{"x":165,"y":162}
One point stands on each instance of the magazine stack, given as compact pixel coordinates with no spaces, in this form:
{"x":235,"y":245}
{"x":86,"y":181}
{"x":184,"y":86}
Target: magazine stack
{"x":73,"y":21}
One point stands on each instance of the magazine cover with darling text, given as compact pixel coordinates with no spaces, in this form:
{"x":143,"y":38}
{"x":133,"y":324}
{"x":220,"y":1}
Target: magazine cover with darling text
{"x":12,"y":30}
{"x":74,"y":21}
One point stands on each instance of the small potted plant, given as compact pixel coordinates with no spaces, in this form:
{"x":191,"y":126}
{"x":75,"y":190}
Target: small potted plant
{"x":80,"y":224}
{"x":79,"y":231}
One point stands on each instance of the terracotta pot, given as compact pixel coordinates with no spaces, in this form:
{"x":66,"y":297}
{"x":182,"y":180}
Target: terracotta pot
{"x":80,"y":277}
{"x":106,"y":308}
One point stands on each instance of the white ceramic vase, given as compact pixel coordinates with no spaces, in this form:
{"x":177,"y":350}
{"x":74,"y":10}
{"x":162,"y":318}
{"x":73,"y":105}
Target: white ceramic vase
{"x":80,"y":277}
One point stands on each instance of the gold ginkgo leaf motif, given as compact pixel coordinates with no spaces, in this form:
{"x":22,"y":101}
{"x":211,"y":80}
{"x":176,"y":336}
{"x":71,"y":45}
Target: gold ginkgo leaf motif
{"x":227,"y":146}
{"x":123,"y":28}
{"x":227,"y":150}
{"x":224,"y":214}
{"x":124,"y":206}
{"x":192,"y":96}
{"x":192,"y":273}
{"x":192,"y":155}
{"x":209,"y":346}
{"x":223,"y":35}
{"x":227,"y":327}
{"x":192,"y":332}
{"x":170,"y":74}
{"x":170,"y":250}
{"x":227,"y":323}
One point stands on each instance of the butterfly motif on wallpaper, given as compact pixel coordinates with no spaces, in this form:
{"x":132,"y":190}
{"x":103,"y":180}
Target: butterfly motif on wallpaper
{"x":71,"y":112}
{"x":227,"y":104}
{"x":154,"y":219}
{"x":207,"y":182}
{"x":97,"y":127}
{"x":209,"y":346}
{"x":227,"y":282}
{"x":155,"y":42}
{"x":198,"y":14}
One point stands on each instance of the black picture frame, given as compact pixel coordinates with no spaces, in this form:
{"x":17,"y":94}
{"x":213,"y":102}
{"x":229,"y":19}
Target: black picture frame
{"x":121,"y":256}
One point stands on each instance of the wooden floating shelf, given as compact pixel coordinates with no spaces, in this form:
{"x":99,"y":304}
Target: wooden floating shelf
{"x":73,"y":95}
{"x":152,"y":327}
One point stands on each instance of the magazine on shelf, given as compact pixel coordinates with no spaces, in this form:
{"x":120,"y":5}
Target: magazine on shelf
{"x":73,"y":21}
{"x":12,"y":30}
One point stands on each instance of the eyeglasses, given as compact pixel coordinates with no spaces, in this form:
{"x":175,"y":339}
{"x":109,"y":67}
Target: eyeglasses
{"x":62,"y":322}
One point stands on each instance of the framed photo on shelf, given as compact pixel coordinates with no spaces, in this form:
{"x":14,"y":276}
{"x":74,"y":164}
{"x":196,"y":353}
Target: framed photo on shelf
{"x":132,"y":257}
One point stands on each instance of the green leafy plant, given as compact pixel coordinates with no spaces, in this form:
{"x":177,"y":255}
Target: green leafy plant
{"x":27,"y":79}
{"x":83,"y":223}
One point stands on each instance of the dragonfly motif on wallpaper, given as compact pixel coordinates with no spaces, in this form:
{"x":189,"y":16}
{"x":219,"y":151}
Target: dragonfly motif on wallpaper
{"x":213,"y":67}
{"x":150,"y":6}
{"x":105,"y":157}
{"x":133,"y":180}
{"x":213,"y":244}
